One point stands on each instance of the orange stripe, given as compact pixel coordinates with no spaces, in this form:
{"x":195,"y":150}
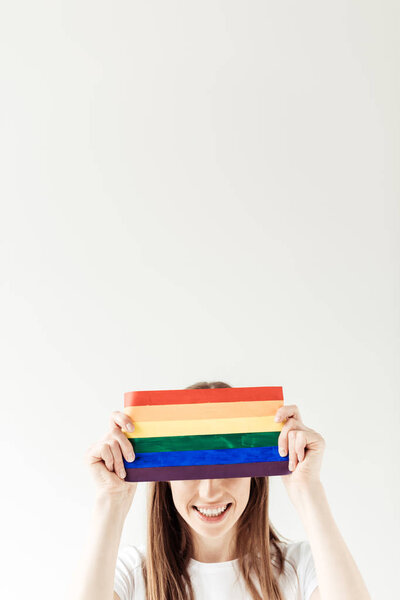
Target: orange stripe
{"x":210,"y":410}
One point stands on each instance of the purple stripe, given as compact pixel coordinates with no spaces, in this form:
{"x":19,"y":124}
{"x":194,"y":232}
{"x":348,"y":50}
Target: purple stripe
{"x":258,"y":469}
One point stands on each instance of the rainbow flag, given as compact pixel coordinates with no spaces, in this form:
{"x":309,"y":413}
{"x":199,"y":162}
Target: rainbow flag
{"x":204,"y":433}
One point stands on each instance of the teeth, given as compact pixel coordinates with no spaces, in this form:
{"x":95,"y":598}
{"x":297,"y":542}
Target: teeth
{"x":212,"y":512}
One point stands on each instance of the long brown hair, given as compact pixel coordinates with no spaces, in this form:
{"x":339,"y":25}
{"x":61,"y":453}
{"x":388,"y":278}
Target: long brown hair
{"x":170,"y":546}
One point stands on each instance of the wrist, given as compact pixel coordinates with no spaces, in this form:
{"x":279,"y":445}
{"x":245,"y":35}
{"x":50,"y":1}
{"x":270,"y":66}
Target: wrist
{"x":309,"y":499}
{"x":304,"y":492}
{"x":115,"y":501}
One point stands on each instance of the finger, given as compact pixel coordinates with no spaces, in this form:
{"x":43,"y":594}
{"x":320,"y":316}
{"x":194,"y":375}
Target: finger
{"x":292,"y":450}
{"x":285,"y":412}
{"x":300,"y":445}
{"x":125,"y":444}
{"x":283,"y":443}
{"x":119,"y":420}
{"x":117,"y":456}
{"x":107,"y":456}
{"x":100,"y":452}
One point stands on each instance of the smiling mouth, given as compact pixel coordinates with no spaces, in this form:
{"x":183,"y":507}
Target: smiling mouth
{"x":213,"y":517}
{"x":211,"y":506}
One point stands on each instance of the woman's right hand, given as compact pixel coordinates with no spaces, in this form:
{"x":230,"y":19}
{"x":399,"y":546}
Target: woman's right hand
{"x":105,"y":458}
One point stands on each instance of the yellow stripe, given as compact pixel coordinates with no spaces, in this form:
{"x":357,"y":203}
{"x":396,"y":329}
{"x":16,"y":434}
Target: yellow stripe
{"x":203,"y":427}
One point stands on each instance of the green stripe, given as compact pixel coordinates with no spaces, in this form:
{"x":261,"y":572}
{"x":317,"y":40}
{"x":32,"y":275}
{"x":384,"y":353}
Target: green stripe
{"x":205,"y":442}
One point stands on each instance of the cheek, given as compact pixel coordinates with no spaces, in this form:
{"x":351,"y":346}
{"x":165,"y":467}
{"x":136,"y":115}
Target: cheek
{"x":242,"y":497}
{"x":181,"y":496}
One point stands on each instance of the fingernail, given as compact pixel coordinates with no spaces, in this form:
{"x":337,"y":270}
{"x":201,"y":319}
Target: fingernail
{"x":129,"y":427}
{"x":122,"y":474}
{"x":282,"y":451}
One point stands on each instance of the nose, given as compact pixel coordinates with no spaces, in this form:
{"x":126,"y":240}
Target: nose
{"x":210,"y":489}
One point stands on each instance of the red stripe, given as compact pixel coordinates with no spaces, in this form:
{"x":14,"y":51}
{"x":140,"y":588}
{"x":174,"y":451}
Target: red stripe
{"x":196,"y":396}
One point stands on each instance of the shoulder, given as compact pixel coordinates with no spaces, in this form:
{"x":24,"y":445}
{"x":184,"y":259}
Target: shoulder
{"x":297,"y":551}
{"x":131,"y":556}
{"x":128,"y":574}
{"x":299,"y":566}
{"x":297,"y":555}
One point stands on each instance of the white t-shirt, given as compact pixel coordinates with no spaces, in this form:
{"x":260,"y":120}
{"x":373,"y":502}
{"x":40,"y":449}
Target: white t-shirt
{"x":218,"y":581}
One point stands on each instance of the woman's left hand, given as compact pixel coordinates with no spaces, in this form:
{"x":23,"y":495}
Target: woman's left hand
{"x":305,"y":447}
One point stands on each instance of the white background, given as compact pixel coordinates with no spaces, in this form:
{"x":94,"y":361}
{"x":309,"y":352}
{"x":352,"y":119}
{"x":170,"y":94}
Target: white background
{"x":196,"y":191}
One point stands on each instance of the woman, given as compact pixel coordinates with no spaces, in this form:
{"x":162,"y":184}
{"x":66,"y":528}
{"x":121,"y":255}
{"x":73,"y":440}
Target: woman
{"x":231,"y":551}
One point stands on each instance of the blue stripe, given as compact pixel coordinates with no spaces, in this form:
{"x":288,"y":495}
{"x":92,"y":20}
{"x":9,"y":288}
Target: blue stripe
{"x":223,"y":456}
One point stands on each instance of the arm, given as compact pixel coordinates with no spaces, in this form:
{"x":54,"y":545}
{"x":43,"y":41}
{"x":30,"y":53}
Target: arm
{"x":337,"y":572}
{"x":95,"y":579}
